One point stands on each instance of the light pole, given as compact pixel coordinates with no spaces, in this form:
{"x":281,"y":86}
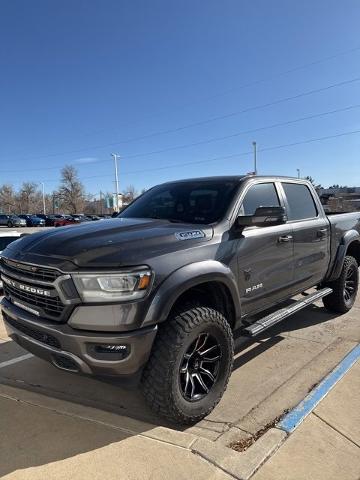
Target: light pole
{"x":43,"y":197}
{"x":298,"y":172}
{"x":255,"y":159}
{"x":101,"y":204}
{"x":115,"y":157}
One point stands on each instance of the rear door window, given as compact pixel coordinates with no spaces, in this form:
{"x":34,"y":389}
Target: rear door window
{"x":300,"y":201}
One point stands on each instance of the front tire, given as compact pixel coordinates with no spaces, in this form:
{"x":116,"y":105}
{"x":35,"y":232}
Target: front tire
{"x":344,"y":288}
{"x":10,"y":225}
{"x":190,"y":365}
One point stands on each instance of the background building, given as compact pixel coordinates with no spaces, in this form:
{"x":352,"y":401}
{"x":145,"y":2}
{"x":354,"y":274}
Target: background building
{"x":340,"y":199}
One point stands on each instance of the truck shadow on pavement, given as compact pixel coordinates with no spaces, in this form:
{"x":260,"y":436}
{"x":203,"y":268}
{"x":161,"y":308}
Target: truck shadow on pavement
{"x":37,"y":434}
{"x":313,"y":315}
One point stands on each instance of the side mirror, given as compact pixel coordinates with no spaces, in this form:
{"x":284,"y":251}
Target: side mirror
{"x":263,"y":217}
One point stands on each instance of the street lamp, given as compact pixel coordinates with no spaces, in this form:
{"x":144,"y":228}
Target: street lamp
{"x":255,"y":157}
{"x":115,"y":157}
{"x":298,"y":172}
{"x":43,"y":197}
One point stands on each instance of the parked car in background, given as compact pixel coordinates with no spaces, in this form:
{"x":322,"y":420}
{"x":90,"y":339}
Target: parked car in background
{"x":5,"y":239}
{"x":63,"y":220}
{"x":12,"y":221}
{"x":33,"y":220}
{"x":94,"y":217}
{"x":80,"y":217}
{"x":49,"y":219}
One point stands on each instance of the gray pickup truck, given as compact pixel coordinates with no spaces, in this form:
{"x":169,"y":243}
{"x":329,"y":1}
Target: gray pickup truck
{"x":156,"y":294}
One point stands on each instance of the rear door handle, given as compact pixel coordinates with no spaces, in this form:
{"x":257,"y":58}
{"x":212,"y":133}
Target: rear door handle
{"x":285,"y":238}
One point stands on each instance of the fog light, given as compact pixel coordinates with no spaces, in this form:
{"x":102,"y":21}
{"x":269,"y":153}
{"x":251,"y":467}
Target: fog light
{"x":110,"y":348}
{"x":109,"y":352}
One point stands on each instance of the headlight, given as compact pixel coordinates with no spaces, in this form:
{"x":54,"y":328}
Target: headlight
{"x":112,"y":287}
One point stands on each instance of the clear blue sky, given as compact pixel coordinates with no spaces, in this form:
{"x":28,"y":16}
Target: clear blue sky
{"x":77,"y":76}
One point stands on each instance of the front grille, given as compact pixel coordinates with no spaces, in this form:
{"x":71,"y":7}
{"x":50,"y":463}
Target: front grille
{"x":29,"y":271}
{"x":51,"y":306}
{"x":33,"y":333}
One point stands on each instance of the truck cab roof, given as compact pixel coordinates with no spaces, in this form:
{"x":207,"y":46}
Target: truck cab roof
{"x":237,"y":178}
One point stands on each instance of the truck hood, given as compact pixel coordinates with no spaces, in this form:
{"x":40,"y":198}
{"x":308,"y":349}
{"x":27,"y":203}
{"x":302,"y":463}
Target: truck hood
{"x":109,"y":243}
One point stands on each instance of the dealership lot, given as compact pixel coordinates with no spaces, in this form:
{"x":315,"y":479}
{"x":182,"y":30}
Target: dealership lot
{"x":270,"y":375}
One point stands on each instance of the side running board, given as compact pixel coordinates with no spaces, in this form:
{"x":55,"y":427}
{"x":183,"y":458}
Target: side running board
{"x":276,"y":317}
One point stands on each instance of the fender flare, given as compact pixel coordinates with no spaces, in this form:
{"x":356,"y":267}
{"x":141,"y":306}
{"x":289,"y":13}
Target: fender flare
{"x":349,"y":237}
{"x":185,"y":278}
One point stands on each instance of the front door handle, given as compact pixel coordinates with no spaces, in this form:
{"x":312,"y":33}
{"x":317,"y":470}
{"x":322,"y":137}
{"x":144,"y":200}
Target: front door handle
{"x":322,"y":233}
{"x":285,"y":238}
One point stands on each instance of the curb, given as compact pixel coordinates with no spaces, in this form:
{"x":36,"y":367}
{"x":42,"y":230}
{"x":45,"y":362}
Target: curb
{"x":242,"y":466}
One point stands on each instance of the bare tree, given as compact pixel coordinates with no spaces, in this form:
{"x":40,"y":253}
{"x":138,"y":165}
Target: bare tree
{"x":71,"y":191}
{"x":130,"y":194}
{"x":336,"y":185}
{"x":311,"y":180}
{"x":7,"y":198}
{"x":28,"y":198}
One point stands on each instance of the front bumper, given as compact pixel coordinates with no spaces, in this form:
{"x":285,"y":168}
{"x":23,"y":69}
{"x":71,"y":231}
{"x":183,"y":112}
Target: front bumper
{"x":77,"y":351}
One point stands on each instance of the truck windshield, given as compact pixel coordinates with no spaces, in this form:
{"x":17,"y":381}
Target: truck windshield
{"x":200,"y":202}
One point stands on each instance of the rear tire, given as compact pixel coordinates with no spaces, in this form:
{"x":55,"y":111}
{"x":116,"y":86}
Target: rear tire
{"x":190,"y":365}
{"x":344,"y":288}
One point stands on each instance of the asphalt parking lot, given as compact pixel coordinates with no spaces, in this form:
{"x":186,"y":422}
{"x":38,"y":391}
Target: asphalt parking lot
{"x":4,"y":229}
{"x":270,"y":375}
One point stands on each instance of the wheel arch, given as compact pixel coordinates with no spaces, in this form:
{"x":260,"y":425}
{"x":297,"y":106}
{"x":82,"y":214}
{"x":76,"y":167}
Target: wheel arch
{"x":353,"y":250}
{"x":349,"y":245}
{"x":210,"y":280}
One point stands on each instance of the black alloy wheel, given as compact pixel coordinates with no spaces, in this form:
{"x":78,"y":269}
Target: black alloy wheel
{"x":344,"y":288}
{"x":200,"y":367}
{"x":350,"y":284}
{"x":190,"y":364}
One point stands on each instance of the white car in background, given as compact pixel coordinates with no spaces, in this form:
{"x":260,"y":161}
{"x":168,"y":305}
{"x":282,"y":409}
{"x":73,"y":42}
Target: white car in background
{"x":5,"y":239}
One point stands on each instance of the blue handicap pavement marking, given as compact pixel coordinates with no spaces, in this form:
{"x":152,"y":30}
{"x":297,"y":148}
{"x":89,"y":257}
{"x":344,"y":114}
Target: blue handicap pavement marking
{"x":306,"y":406}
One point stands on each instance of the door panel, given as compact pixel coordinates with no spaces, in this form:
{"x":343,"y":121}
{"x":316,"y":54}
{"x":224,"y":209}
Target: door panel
{"x":265,"y":266}
{"x":265,"y":254}
{"x":311,"y":232}
{"x":311,"y":251}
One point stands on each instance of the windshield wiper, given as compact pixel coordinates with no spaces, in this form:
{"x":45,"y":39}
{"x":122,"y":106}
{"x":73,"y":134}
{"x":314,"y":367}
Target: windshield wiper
{"x":171,"y":220}
{"x":176,"y":220}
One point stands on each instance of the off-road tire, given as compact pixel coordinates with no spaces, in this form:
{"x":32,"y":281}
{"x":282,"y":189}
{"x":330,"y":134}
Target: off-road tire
{"x":336,"y":301}
{"x":161,"y":376}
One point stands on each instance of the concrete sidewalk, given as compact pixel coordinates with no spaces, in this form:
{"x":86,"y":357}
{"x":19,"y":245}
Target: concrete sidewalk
{"x":327,"y":444}
{"x":46,"y":439}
